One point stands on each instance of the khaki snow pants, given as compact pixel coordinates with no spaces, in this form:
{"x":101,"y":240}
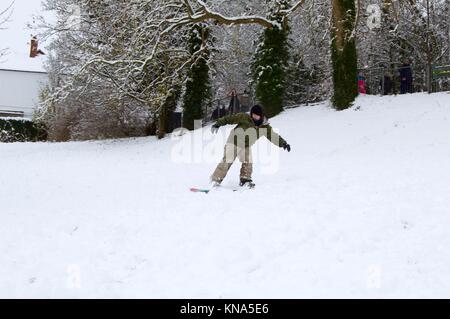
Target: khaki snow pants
{"x":230,"y":153}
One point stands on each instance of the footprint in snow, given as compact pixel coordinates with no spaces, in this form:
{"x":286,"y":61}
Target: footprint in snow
{"x":406,"y":225}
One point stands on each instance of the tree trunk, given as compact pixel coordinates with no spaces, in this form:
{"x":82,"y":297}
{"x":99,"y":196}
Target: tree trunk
{"x":343,"y":53}
{"x":162,"y":122}
{"x":429,"y":51}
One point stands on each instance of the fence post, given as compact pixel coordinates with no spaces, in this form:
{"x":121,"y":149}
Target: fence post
{"x":429,"y":75}
{"x":307,"y":93}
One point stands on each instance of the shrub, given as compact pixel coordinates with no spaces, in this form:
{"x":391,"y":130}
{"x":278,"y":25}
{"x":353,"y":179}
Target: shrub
{"x":21,"y":130}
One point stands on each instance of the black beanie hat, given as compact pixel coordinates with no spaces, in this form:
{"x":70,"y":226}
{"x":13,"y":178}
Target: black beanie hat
{"x":257,"y":109}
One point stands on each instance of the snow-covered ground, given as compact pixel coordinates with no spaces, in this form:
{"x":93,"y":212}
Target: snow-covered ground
{"x":359,"y":208}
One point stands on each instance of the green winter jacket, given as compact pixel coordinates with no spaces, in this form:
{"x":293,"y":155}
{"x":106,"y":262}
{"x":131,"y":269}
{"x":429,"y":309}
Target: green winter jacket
{"x":246,"y":133}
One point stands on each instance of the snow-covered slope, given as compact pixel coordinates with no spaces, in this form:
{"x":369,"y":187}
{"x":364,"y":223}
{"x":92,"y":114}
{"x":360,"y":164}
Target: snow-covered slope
{"x":359,"y":208}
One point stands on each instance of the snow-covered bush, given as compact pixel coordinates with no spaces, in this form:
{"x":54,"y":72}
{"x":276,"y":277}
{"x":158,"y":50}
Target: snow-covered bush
{"x":21,"y":130}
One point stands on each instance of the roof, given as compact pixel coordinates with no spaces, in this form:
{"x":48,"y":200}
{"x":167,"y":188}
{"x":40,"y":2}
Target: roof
{"x":24,"y":71}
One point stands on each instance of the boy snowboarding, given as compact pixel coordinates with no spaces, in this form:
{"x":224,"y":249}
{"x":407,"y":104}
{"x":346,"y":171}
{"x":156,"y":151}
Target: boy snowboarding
{"x":248,"y":130}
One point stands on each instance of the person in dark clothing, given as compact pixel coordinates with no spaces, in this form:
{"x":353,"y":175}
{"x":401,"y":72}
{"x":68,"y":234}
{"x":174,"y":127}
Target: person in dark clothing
{"x":387,"y":84}
{"x":218,"y":113}
{"x":235,"y":105}
{"x":405,"y":77}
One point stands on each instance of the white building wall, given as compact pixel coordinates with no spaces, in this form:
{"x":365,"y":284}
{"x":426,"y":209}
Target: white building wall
{"x":19,"y":90}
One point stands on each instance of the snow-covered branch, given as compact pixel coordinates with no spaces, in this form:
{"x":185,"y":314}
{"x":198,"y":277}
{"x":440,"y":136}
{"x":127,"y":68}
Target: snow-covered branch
{"x":5,"y":14}
{"x":204,"y":13}
{"x":293,"y":9}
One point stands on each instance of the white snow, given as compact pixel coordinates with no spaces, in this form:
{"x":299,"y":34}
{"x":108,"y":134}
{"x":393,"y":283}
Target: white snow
{"x":359,"y":208}
{"x":9,"y":118}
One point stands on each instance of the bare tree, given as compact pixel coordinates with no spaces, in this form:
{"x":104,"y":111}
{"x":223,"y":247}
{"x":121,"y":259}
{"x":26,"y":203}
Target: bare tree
{"x":5,"y":15}
{"x":135,"y":48}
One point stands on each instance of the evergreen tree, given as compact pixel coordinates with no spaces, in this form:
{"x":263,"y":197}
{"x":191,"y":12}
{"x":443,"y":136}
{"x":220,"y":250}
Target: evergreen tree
{"x":302,"y":82}
{"x":343,"y":54}
{"x":198,"y":89}
{"x":270,"y":64}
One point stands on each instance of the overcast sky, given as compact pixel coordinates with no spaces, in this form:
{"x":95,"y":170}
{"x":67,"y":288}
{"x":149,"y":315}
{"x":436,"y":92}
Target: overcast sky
{"x":17,"y":36}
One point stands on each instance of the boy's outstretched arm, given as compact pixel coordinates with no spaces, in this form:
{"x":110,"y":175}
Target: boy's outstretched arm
{"x":276,"y":139}
{"x":229,"y":119}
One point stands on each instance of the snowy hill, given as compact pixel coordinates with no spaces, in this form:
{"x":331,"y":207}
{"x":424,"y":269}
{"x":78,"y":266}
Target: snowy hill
{"x":359,"y":208}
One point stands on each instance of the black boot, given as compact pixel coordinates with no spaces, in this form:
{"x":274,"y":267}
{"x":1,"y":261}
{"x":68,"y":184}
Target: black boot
{"x":246,"y":182}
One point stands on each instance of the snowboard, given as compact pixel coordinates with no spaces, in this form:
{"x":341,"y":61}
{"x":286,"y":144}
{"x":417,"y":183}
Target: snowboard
{"x":199,"y":190}
{"x":207,"y":191}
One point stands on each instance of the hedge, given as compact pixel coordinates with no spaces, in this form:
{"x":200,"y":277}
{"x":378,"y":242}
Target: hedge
{"x":21,"y":130}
